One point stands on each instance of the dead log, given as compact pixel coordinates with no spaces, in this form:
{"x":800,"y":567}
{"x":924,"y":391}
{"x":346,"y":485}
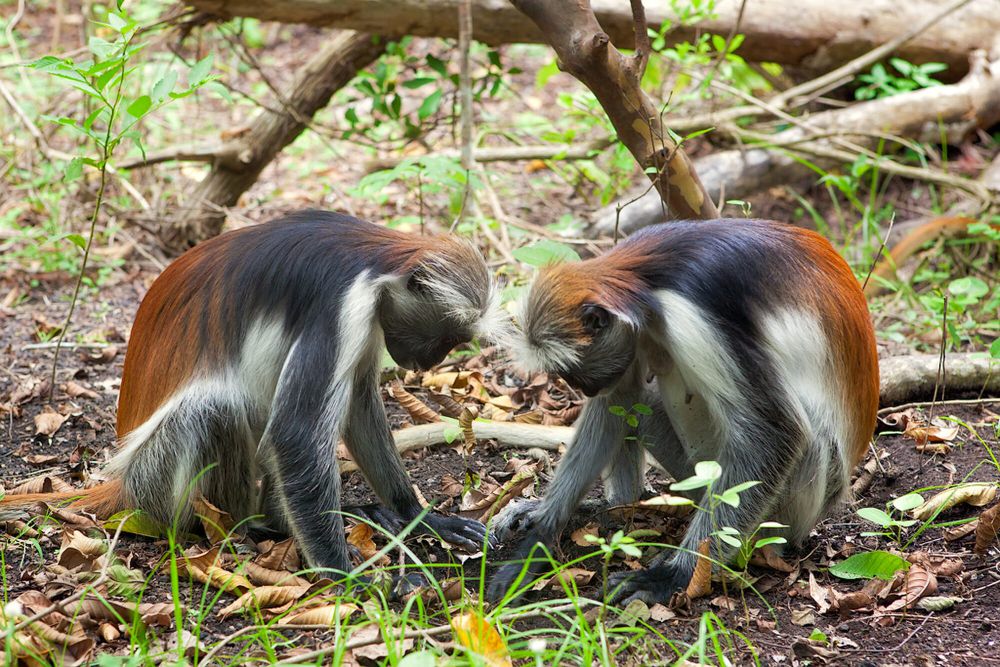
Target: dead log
{"x":973,"y":102}
{"x":905,"y":378}
{"x":586,"y":52}
{"x":815,"y":35}
{"x":913,"y":377}
{"x":241,"y":160}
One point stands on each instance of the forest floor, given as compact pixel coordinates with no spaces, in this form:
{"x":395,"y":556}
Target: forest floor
{"x":777,"y":617}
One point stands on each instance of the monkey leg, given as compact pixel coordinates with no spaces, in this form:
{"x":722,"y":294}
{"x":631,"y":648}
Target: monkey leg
{"x":204,"y":446}
{"x":762,"y":451}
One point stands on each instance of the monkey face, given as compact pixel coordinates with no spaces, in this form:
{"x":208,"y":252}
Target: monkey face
{"x":604,"y":357}
{"x":420,"y":329}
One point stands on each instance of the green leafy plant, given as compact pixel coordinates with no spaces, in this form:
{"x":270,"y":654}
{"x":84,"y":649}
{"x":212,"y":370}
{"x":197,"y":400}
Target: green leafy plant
{"x":882,"y":82}
{"x":892,"y":526}
{"x":869,"y":565}
{"x":546,"y":252}
{"x":112,"y":115}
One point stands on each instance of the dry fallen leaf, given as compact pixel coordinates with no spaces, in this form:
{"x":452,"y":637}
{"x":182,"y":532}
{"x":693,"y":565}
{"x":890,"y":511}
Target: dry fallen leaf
{"x":281,"y":555}
{"x":917,"y":582}
{"x":75,"y":390}
{"x":803,"y":617}
{"x":469,"y":414}
{"x":48,"y":421}
{"x":976,"y":494}
{"x":79,"y":552}
{"x":324,"y":615}
{"x":360,"y":536}
{"x":418,"y":410}
{"x":43,"y":484}
{"x":701,"y":581}
{"x":217,"y":524}
{"x":579,"y":536}
{"x":264,"y":576}
{"x":565,"y":579}
{"x":474,"y":633}
{"x":264,"y":597}
{"x":986,"y":531}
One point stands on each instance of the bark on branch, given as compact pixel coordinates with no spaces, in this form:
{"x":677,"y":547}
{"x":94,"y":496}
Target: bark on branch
{"x":816,"y":35}
{"x":585,"y":51}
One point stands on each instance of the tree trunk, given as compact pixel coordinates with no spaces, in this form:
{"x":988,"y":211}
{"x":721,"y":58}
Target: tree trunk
{"x":814,"y":34}
{"x":973,"y":102}
{"x":242,"y":159}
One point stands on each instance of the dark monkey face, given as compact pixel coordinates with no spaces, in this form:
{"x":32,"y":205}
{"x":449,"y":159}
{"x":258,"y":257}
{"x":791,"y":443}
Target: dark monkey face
{"x":443,"y":304}
{"x":564,"y":330}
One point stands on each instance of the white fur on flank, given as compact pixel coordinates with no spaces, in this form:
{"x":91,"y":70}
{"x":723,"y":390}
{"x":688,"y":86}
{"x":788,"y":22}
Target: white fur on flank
{"x":799,"y":350}
{"x":699,"y":353}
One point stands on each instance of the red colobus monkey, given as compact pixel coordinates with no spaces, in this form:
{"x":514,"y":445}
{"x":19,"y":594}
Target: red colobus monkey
{"x":764,"y":359}
{"x":254,"y":353}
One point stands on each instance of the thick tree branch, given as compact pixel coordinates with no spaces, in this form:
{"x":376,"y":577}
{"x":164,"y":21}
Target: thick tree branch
{"x":585,"y":51}
{"x":815,"y":35}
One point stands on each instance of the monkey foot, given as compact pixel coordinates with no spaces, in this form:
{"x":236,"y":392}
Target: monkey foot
{"x":656,"y":584}
{"x":379,"y":515}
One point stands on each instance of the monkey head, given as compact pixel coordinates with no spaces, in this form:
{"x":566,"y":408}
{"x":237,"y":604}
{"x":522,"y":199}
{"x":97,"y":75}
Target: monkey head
{"x":445,"y":300}
{"x":580,"y":320}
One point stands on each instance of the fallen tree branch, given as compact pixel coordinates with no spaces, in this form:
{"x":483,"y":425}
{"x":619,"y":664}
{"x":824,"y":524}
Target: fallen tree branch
{"x":510,"y":434}
{"x":814,"y":35}
{"x":972,"y":102}
{"x":581,"y":151}
{"x":912,"y":377}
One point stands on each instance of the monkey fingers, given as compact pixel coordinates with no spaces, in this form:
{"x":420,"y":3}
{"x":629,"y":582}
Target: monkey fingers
{"x":468,"y":534}
{"x":380,"y":515}
{"x":655,"y":584}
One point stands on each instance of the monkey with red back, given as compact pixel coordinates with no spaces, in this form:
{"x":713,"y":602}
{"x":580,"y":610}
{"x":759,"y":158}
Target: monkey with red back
{"x":750,"y":342}
{"x":255,"y":352}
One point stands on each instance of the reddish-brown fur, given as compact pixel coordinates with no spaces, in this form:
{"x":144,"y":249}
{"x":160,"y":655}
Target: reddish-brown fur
{"x":163,"y":352}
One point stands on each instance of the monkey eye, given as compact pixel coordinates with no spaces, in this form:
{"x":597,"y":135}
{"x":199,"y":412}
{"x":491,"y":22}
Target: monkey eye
{"x":594,"y":317}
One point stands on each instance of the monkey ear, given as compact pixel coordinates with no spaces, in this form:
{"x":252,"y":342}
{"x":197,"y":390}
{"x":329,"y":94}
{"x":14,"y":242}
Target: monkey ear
{"x":594,"y":317}
{"x":416,"y":282}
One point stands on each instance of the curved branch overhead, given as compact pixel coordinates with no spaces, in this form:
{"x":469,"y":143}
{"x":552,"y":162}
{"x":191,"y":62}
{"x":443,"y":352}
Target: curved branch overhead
{"x":818,"y":35}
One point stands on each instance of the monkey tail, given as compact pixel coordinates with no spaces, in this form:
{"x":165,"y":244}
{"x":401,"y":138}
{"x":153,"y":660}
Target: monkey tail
{"x":103,"y":500}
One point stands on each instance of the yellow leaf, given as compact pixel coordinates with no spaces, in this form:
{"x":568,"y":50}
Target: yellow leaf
{"x":976,"y":494}
{"x":325,"y":615}
{"x":474,"y":633}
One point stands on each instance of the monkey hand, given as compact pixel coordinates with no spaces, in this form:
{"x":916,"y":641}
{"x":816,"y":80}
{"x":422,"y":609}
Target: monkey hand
{"x":517,"y":518}
{"x":652,"y":585}
{"x":468,"y":534}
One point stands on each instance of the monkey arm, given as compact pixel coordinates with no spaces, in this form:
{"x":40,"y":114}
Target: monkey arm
{"x":599,"y":439}
{"x":765,"y":449}
{"x":299,"y":453}
{"x":369,"y":439}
